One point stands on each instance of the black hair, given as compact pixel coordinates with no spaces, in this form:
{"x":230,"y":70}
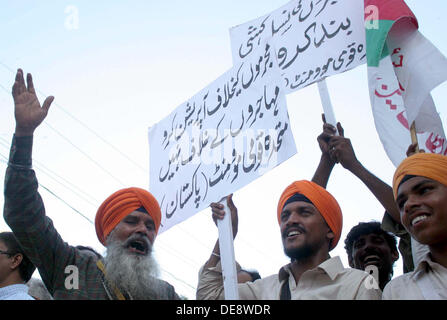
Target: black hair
{"x":364,"y":228}
{"x":253,"y":274}
{"x":26,"y":267}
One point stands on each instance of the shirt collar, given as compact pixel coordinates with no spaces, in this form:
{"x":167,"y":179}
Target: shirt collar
{"x":425,"y":265}
{"x":332,"y":267}
{"x":13,"y":289}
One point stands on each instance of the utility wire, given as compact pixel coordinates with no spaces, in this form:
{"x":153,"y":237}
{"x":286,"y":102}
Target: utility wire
{"x":50,"y":173}
{"x":54,"y":194}
{"x":79,"y":149}
{"x":85,"y":126}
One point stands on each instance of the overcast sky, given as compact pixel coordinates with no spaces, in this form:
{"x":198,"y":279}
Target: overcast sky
{"x":123,"y":66}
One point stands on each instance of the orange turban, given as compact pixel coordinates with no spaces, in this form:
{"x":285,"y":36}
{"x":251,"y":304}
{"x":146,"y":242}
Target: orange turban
{"x":429,"y":165}
{"x":119,"y":205}
{"x":321,"y":199}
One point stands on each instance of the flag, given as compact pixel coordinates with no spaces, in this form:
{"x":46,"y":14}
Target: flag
{"x":403,"y":68}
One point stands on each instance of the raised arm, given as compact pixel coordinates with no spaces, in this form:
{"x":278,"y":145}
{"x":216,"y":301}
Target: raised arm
{"x":24,"y":210}
{"x":28,"y":112}
{"x":341,"y":149}
{"x":324,"y":169}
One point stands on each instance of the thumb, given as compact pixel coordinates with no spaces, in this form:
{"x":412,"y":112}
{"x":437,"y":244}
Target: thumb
{"x":230,"y":202}
{"x":340,"y":129}
{"x":47,"y":103}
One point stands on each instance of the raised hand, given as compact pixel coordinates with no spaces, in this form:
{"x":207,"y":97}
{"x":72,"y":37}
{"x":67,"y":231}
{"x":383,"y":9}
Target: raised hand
{"x":323,"y":139}
{"x":218,"y":212}
{"x":413,"y":149}
{"x":341,"y":149}
{"x":28,"y":112}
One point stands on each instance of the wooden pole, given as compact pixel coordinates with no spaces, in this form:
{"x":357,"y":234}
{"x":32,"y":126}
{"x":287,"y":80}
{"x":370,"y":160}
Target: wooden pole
{"x":227,"y":259}
{"x":414,"y":137}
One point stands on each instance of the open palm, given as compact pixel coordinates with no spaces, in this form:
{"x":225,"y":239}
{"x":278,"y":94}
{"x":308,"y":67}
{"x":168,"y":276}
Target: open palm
{"x":28,"y":111}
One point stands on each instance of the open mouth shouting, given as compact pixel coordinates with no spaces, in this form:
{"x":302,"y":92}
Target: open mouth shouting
{"x":138,"y":245}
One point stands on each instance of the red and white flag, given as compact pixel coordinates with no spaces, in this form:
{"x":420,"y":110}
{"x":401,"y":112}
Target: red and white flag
{"x":403,"y":68}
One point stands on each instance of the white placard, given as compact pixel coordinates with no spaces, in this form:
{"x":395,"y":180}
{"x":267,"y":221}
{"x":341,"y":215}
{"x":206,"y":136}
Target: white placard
{"x":314,"y":39}
{"x":224,"y":137}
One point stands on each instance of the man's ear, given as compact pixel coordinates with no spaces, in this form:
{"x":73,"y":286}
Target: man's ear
{"x":16,"y":260}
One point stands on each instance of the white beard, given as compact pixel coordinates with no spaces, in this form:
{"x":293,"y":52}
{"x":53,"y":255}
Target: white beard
{"x":132,"y":273}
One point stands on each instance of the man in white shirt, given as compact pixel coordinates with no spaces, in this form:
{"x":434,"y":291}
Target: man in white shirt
{"x":15,"y":269}
{"x":420,"y":190}
{"x":310,"y":221}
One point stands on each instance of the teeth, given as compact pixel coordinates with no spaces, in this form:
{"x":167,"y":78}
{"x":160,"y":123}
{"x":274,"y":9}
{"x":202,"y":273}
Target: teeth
{"x":373,"y":257}
{"x":293,"y":233}
{"x":417,"y":219}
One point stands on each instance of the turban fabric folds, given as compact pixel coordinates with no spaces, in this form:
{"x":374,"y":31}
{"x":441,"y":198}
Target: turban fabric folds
{"x":321,"y":199}
{"x":121,"y":203}
{"x":429,"y":165}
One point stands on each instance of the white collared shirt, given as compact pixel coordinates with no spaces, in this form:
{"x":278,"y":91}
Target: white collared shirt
{"x":15,"y":292}
{"x":408,"y":286}
{"x":328,"y":281}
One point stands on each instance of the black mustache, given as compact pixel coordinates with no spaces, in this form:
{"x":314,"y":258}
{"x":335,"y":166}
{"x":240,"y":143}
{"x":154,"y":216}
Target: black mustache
{"x":137,"y":237}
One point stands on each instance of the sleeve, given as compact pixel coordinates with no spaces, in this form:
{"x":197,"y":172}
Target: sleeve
{"x":387,"y":292}
{"x":24,"y":212}
{"x":211,"y":287}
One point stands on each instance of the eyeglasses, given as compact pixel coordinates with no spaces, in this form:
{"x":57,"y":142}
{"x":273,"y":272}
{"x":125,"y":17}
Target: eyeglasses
{"x":7,"y":253}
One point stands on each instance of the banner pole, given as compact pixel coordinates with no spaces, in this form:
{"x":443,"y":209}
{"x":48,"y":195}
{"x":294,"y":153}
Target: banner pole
{"x":326,"y":102}
{"x":414,"y":137}
{"x":227,"y":259}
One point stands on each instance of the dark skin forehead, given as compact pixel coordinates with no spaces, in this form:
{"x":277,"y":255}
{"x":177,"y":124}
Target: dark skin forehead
{"x":415,"y":183}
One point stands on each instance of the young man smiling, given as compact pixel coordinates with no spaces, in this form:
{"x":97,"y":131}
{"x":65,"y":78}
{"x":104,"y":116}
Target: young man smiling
{"x":310,"y":222}
{"x":126,"y":224}
{"x":420,"y":190}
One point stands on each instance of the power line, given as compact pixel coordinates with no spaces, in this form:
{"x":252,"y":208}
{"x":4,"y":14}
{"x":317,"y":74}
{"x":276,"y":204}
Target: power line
{"x":54,"y":194}
{"x":66,"y":184}
{"x":85,"y":154}
{"x":85,"y":126}
{"x":79,"y":149}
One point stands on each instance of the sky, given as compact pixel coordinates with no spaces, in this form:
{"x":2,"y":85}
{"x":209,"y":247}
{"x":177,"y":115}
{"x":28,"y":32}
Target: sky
{"x":121,"y":67}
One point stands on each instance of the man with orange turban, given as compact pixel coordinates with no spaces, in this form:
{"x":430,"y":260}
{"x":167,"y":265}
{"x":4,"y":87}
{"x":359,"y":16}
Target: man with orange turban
{"x":310,"y":222}
{"x":420,"y":190}
{"x":126,"y":223}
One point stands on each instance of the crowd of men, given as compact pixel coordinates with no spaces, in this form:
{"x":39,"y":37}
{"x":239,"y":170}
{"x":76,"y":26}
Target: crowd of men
{"x":310,"y":222}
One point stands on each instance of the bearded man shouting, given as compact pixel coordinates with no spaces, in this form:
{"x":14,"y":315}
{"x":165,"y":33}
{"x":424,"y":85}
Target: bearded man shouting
{"x":126,"y":224}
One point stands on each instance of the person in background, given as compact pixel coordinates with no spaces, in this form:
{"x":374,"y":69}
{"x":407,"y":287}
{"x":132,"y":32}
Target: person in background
{"x":15,"y":269}
{"x":367,"y":244}
{"x":244,"y":275}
